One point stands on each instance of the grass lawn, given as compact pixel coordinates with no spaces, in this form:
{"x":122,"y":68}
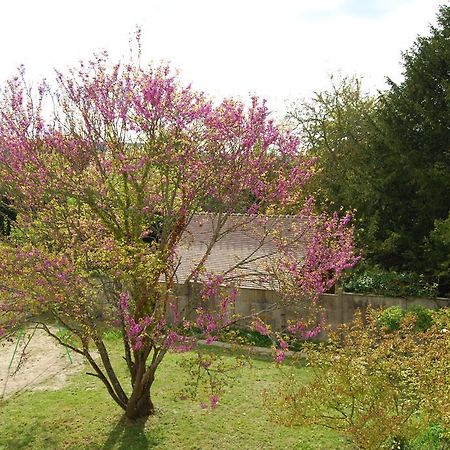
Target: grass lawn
{"x":82,"y":416}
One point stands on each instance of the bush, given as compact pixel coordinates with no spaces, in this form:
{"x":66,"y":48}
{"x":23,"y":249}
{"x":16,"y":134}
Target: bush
{"x":433,"y":438}
{"x":423,"y":317}
{"x":392,"y":317}
{"x":246,"y":336}
{"x":437,"y":254}
{"x":381,"y":387}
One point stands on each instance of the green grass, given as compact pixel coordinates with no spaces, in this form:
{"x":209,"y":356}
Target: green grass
{"x":82,"y":416}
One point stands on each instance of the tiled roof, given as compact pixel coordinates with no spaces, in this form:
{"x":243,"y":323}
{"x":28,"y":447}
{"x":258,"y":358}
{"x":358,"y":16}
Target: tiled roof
{"x":246,"y":243}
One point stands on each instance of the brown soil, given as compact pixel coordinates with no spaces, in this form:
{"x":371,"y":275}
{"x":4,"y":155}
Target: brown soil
{"x":42,"y":365}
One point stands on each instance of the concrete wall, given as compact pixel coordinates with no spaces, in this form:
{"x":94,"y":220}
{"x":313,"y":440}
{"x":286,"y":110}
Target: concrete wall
{"x":339,"y":308}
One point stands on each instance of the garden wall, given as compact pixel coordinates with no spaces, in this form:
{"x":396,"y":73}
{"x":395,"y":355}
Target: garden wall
{"x":340,"y":308}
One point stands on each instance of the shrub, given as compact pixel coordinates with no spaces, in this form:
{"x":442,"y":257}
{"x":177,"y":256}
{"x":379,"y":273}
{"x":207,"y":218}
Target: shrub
{"x":392,"y":317}
{"x":432,"y":438}
{"x":376,"y":385}
{"x":423,"y":316}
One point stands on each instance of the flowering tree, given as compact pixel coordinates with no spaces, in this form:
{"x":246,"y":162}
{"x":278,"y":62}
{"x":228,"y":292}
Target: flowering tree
{"x":105,"y":187}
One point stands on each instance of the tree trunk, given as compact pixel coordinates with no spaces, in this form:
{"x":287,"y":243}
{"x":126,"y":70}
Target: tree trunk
{"x":140,"y":404}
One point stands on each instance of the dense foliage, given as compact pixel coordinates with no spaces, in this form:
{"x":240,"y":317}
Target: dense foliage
{"x":375,"y":280}
{"x":413,"y":176}
{"x":335,"y":128}
{"x":387,"y":157}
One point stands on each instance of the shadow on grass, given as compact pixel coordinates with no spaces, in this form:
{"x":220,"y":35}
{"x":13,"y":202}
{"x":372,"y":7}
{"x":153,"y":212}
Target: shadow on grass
{"x":128,"y":435}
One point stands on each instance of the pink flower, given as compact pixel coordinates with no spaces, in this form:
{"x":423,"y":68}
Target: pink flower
{"x":138,"y":343}
{"x":211,"y":286}
{"x":214,"y":401}
{"x":210,"y":339}
{"x":259,"y":326}
{"x":280,"y":355}
{"x":123,"y":301}
{"x":283,"y":344}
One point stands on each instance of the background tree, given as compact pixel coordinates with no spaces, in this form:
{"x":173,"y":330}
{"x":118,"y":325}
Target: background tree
{"x":104,"y":190}
{"x":413,"y":158}
{"x":388,"y":156}
{"x":335,"y":127}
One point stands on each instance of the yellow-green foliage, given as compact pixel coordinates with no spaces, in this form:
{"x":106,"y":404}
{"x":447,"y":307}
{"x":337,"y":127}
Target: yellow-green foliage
{"x":372,"y":384}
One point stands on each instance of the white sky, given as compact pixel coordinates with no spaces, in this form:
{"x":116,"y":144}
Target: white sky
{"x":280,"y":50}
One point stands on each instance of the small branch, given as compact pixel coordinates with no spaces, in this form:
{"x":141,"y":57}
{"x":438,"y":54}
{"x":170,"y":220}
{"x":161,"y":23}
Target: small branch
{"x":101,"y":375}
{"x":59,"y":340}
{"x":93,"y":374}
{"x":110,"y":371}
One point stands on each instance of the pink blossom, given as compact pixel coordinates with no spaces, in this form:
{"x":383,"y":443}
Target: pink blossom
{"x":179,"y":343}
{"x":211,"y":285}
{"x":214,"y":401}
{"x":259,"y":326}
{"x":123,"y":301}
{"x":283,"y":344}
{"x":280,"y":355}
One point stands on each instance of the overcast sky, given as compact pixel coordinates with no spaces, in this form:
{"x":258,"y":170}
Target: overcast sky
{"x":280,"y":50}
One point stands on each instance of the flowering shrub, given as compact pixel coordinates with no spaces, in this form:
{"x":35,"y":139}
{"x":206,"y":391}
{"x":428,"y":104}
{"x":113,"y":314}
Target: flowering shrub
{"x":209,"y":375}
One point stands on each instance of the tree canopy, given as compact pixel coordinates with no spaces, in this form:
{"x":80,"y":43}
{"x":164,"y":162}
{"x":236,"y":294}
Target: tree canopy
{"x":104,"y":189}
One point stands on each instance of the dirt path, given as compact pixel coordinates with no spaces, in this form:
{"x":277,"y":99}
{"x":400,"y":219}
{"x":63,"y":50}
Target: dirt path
{"x":43,"y":366}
